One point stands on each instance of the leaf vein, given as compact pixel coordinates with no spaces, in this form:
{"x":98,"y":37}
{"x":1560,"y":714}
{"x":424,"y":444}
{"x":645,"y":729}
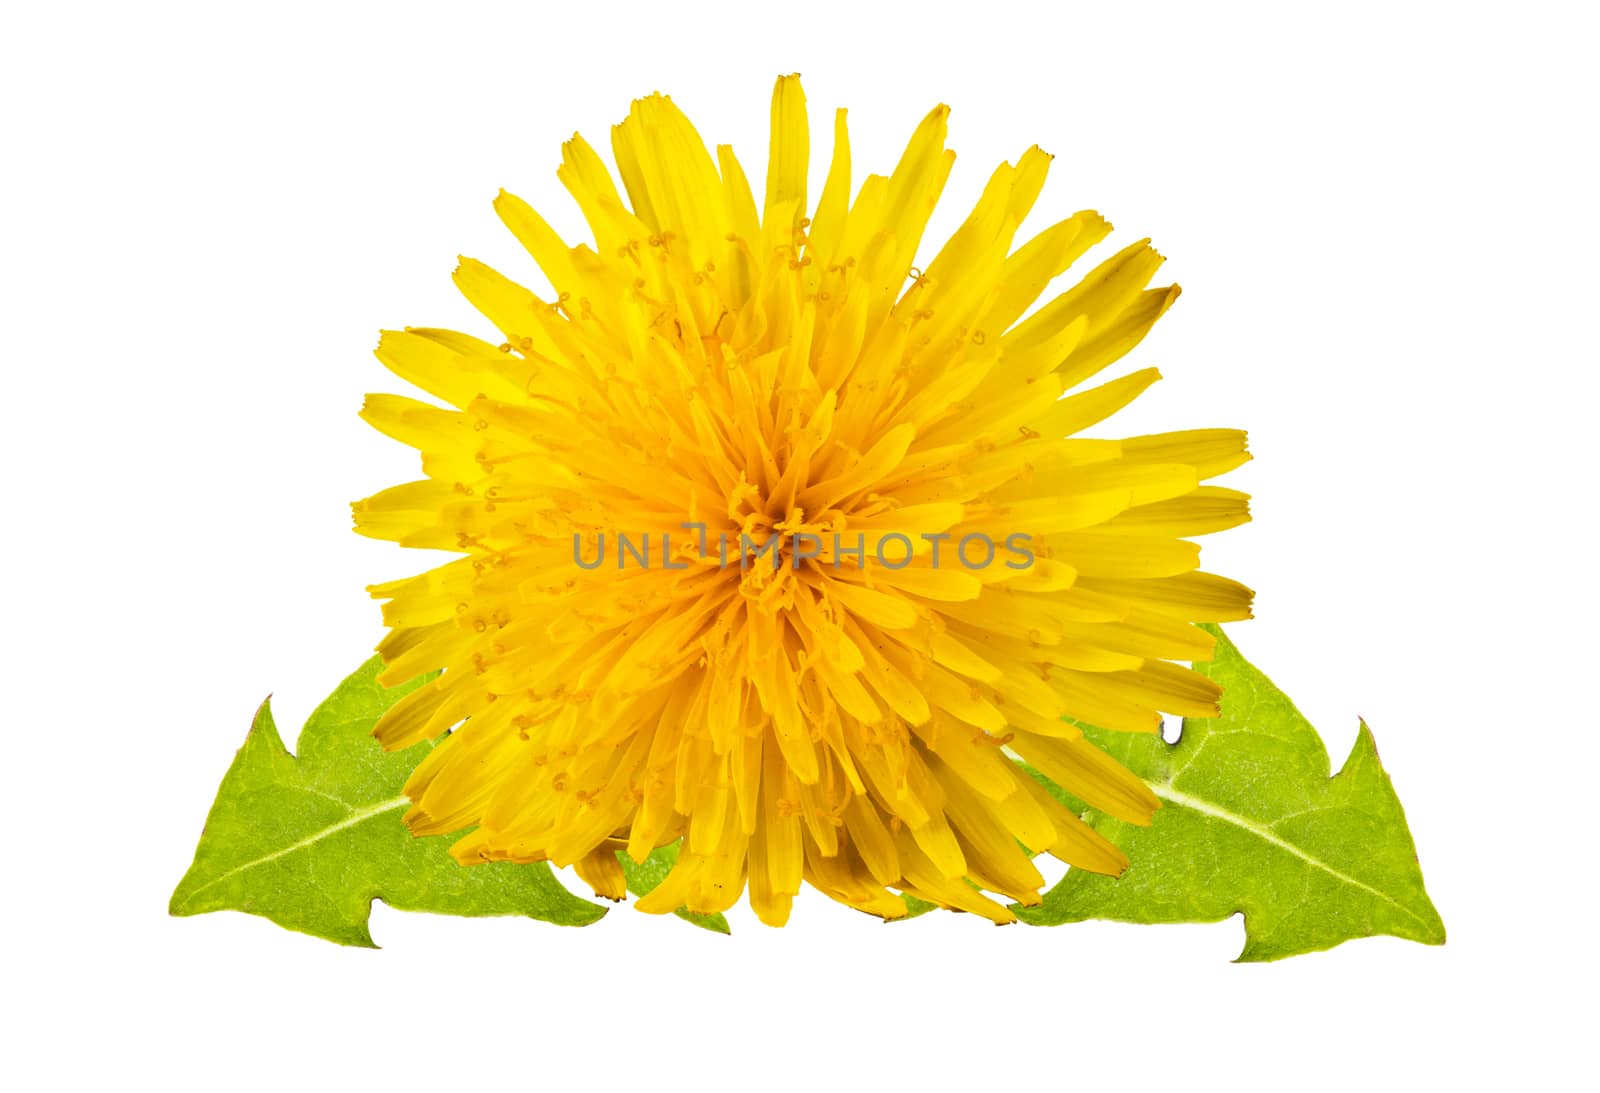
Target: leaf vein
{"x":1267,"y":835}
{"x":354,"y":818}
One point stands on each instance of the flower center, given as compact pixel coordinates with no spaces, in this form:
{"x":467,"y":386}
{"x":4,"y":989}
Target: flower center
{"x":777,"y":548}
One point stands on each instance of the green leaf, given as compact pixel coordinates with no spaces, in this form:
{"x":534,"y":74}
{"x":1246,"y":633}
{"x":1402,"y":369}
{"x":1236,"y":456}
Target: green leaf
{"x":310,"y":841}
{"x":644,"y":878}
{"x":1251,"y":821}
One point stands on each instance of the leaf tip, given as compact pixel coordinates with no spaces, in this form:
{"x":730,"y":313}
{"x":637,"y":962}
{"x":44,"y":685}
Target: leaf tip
{"x":1364,"y":736}
{"x":713,"y":922}
{"x":264,"y":729}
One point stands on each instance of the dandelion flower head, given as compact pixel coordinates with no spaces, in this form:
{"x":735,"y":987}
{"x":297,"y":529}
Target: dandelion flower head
{"x":774,"y":542}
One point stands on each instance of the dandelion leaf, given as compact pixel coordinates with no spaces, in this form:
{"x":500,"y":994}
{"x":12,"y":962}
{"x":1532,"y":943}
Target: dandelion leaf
{"x":1252,"y":823}
{"x":310,"y":840}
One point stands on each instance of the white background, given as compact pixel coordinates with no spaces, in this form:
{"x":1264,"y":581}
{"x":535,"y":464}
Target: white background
{"x":1383,"y":220}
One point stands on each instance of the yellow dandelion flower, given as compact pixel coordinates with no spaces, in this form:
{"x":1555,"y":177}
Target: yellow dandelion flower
{"x":776,"y":544}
